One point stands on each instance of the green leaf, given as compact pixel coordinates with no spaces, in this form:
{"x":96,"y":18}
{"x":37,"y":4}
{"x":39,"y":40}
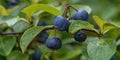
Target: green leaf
{"x":2,"y":57}
{"x":3,"y":11}
{"x":30,"y":34}
{"x":107,"y":27}
{"x":30,"y":10}
{"x":9,"y":20}
{"x":79,"y":24}
{"x":17,"y":10}
{"x":20,"y":26}
{"x":6,"y":44}
{"x":3,"y":26}
{"x":100,"y":22}
{"x":17,"y":55}
{"x":71,"y":54}
{"x":113,"y":33}
{"x":102,"y":49}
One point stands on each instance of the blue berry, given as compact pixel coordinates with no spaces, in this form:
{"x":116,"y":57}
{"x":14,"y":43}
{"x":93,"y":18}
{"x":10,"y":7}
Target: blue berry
{"x":53,"y":43}
{"x":36,"y":55}
{"x":61,"y":23}
{"x":80,"y":15}
{"x":11,"y":5}
{"x":80,"y":36}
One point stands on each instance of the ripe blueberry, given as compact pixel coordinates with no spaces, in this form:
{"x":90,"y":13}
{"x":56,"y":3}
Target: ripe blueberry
{"x":61,"y":23}
{"x":80,"y":15}
{"x":36,"y":55}
{"x":80,"y":36}
{"x":53,"y":43}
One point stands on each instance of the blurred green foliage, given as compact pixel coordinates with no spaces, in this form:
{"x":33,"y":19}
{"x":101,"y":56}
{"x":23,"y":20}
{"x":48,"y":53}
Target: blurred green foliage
{"x":20,"y":16}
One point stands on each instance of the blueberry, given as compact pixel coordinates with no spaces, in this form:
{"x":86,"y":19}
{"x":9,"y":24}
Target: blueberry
{"x":80,"y":36}
{"x":11,"y":5}
{"x":61,"y":23}
{"x":53,"y":43}
{"x":42,"y":36}
{"x":36,"y":55}
{"x":113,"y":58}
{"x":80,"y":15}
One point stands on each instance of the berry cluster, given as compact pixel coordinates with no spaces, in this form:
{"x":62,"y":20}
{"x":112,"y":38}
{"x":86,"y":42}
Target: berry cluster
{"x":61,"y":23}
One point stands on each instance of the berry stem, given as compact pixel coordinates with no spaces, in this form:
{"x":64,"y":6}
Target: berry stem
{"x":69,"y":14}
{"x":11,"y":33}
{"x":73,"y":8}
{"x":66,"y":10}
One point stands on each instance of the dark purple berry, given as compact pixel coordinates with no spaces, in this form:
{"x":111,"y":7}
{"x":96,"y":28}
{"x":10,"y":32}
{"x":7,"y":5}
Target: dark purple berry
{"x":61,"y":23}
{"x":80,"y":36}
{"x":36,"y":55}
{"x":80,"y":15}
{"x":53,"y":43}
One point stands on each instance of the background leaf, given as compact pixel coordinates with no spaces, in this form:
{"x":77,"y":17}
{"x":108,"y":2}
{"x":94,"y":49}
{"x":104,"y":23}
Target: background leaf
{"x":102,"y":49}
{"x":17,"y":55}
{"x":107,"y":27}
{"x":17,"y":9}
{"x":6,"y":44}
{"x":113,"y":33}
{"x":20,"y":26}
{"x":3,"y":11}
{"x":71,"y":54}
{"x":30,"y":10}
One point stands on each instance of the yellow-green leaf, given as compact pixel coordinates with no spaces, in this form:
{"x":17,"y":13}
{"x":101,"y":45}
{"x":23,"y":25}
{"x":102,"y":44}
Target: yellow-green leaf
{"x":79,"y":24}
{"x":30,"y":10}
{"x":107,"y":27}
{"x":3,"y":11}
{"x":100,"y":22}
